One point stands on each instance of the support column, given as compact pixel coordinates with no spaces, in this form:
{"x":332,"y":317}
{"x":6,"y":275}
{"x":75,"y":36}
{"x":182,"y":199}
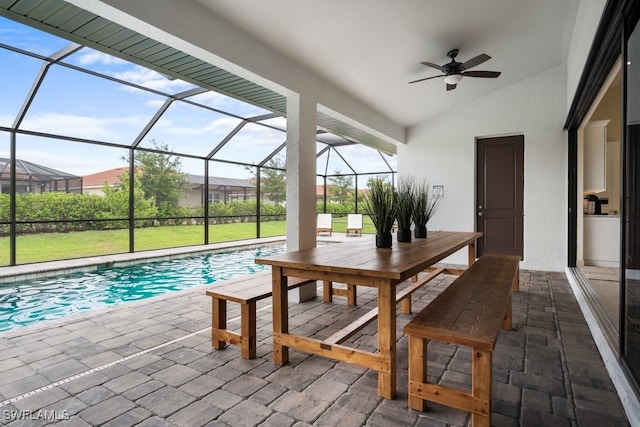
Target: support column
{"x":301,"y":181}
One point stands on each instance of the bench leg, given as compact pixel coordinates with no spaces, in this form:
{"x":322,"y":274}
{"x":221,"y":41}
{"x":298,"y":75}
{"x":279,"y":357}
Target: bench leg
{"x":248,"y":330}
{"x":516,"y":282}
{"x":481,"y":387}
{"x":405,"y":305}
{"x":507,"y":322}
{"x":218,"y":321}
{"x":417,"y":369}
{"x":327,"y":291}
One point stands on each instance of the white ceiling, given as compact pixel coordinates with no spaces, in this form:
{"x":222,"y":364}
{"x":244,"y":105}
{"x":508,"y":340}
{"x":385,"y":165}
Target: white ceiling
{"x":371,"y":49}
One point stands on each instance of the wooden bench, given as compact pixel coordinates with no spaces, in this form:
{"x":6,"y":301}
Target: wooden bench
{"x":246,"y":291}
{"x":470,"y":312}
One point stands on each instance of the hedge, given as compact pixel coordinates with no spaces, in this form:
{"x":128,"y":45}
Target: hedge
{"x":62,"y":212}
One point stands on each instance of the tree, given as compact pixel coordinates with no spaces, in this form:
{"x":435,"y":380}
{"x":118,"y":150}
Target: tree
{"x":340,"y":187}
{"x":161,"y":179}
{"x":273,"y":184}
{"x":118,"y":200}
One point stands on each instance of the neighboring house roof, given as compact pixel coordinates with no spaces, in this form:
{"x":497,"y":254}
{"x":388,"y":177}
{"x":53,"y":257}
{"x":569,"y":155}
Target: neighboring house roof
{"x":217,"y":181}
{"x":33,"y":171}
{"x":111,"y":176}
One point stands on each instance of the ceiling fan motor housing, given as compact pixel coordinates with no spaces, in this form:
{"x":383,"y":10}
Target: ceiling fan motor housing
{"x":453,"y":67}
{"x":454,"y":70}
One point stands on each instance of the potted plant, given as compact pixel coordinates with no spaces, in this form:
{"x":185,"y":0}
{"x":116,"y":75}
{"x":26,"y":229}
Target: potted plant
{"x":380,"y":204}
{"x":424,"y":207}
{"x":405,"y":199}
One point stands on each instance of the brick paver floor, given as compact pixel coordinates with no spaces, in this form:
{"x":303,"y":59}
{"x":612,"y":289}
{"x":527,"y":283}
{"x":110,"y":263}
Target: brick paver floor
{"x":150,"y":363}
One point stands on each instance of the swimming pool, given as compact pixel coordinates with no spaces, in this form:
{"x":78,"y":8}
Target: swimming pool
{"x":30,"y":301}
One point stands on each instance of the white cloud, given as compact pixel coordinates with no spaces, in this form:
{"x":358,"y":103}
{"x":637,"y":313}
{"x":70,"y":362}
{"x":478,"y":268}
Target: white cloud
{"x":216,"y":128}
{"x":69,"y":163}
{"x":212,"y":99}
{"x":226,"y":103}
{"x":90,"y":56}
{"x":363,"y":159}
{"x":7,"y":121}
{"x":129,"y":72}
{"x":152,"y":80}
{"x":101,"y":129}
{"x":278,"y":122}
{"x":154,"y":103}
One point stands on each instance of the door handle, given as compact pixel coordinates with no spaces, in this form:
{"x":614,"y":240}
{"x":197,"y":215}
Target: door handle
{"x":480,"y":214}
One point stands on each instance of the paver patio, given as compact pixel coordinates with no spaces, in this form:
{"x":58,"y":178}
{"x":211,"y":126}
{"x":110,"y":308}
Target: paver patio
{"x":151,"y":363}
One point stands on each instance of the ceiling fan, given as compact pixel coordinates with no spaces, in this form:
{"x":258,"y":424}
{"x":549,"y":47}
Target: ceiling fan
{"x":454,"y":71}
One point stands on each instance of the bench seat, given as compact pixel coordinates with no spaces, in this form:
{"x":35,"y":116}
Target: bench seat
{"x":246,"y":291}
{"x":470,"y":312}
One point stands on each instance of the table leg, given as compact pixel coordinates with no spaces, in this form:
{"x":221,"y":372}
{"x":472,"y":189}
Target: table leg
{"x":218,"y":321}
{"x":280,"y":314}
{"x":472,"y":253}
{"x":327,"y":291}
{"x":387,"y":339}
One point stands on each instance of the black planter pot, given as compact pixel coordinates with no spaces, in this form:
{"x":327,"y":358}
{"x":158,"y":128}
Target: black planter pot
{"x":404,"y":234}
{"x":383,"y":240}
{"x":420,"y":232}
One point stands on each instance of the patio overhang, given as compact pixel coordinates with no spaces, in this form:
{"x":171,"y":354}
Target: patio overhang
{"x":96,"y":25}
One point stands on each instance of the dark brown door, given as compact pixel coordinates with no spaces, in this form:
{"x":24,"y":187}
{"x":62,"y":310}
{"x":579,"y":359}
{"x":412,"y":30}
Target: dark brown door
{"x":500,"y":186}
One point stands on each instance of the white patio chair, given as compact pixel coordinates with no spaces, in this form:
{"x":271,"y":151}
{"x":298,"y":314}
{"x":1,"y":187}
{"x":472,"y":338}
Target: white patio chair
{"x":324,"y":224}
{"x":354,"y":224}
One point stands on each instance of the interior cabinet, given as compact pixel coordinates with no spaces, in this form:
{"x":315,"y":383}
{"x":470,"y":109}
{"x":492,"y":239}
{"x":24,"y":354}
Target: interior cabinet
{"x":601,"y":240}
{"x":613,"y":176}
{"x":595,"y":156}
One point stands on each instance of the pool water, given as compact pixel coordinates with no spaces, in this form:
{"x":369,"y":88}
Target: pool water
{"x":27,"y":302}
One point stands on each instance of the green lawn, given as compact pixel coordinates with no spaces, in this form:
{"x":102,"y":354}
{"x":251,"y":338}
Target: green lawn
{"x":54,"y":246}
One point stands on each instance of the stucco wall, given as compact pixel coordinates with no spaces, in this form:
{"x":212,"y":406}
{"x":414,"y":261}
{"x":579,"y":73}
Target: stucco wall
{"x":587,"y":20}
{"x":443,"y":151}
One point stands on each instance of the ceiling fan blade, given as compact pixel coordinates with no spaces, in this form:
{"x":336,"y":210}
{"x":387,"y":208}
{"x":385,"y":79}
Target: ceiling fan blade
{"x":476,"y":61}
{"x":426,"y":78}
{"x":432,"y":65}
{"x":484,"y":74}
{"x":451,"y":87}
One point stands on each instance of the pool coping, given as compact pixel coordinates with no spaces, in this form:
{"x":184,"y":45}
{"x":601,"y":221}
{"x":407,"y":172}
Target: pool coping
{"x":39,"y":270}
{"x":54,"y":268}
{"x":35,"y":271}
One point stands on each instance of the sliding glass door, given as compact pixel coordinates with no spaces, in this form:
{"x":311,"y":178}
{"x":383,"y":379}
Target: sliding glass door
{"x":631,"y":225}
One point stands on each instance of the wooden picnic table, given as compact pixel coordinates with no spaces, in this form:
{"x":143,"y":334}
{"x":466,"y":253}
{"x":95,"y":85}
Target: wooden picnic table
{"x":363,"y":264}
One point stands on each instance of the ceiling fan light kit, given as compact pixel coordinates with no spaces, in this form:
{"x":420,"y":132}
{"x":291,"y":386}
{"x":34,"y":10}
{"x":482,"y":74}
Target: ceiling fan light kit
{"x":452,"y":79}
{"x":454,"y":71}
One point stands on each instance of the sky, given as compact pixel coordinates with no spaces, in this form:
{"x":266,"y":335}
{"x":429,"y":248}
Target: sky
{"x":75,"y":104}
